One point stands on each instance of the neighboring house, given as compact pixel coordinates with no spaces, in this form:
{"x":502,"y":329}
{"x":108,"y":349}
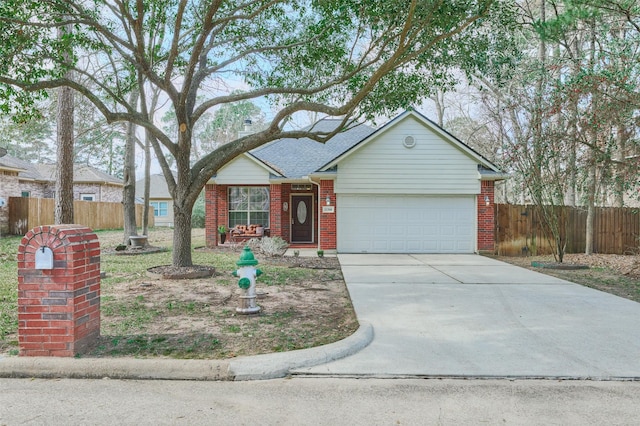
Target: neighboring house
{"x":23,"y":179}
{"x":39,"y":181}
{"x":408,"y":187}
{"x":159,"y":199}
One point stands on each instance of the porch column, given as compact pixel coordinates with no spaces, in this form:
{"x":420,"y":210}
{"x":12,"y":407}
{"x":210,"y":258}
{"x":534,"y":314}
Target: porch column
{"x":275,"y":210}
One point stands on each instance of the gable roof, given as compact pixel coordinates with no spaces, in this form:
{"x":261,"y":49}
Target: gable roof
{"x":82,"y":173}
{"x":296,"y":158}
{"x":157,"y":187}
{"x":484,"y":163}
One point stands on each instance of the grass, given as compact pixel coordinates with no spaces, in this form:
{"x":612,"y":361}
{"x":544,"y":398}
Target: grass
{"x":8,"y":292}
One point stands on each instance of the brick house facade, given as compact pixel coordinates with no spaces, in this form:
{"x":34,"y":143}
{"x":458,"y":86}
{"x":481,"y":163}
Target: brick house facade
{"x":407,"y":187}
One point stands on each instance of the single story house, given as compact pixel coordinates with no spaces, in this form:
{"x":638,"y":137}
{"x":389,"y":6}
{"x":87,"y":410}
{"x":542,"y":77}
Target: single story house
{"x":20,"y":178}
{"x":159,"y":199}
{"x":407,"y":187}
{"x":39,"y":181}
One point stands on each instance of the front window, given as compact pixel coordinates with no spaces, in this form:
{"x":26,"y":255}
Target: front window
{"x":160,"y":208}
{"x":248,"y":206}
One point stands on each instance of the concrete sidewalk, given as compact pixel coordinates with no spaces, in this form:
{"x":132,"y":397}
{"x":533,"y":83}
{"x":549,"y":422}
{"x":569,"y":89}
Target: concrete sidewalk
{"x":472,"y":316}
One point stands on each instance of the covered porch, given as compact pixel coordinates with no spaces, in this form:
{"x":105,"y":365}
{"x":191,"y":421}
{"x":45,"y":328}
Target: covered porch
{"x":289,"y":210}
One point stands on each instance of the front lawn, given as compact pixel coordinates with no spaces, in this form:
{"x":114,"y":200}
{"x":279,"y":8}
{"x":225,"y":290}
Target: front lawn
{"x":304,"y":304}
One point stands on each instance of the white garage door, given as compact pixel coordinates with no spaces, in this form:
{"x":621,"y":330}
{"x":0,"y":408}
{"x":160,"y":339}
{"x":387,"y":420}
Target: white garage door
{"x":406,"y":224}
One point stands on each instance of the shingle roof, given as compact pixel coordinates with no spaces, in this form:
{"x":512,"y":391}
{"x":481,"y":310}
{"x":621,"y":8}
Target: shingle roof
{"x":27,"y":170}
{"x":157,"y":187}
{"x":296,"y":158}
{"x":47,"y":172}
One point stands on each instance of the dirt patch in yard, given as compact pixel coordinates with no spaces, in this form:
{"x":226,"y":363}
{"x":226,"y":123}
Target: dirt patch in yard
{"x":304,"y":303}
{"x":615,"y":274}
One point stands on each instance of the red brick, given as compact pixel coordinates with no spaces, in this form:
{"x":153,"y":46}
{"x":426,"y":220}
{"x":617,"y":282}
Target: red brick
{"x":33,"y":339}
{"x":30,"y":331}
{"x":57,"y":331}
{"x":55,"y":346}
{"x":62,"y":338}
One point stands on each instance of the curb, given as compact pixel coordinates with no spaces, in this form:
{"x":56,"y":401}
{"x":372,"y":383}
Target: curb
{"x":113,"y":368}
{"x":259,"y":367}
{"x":277,"y":365}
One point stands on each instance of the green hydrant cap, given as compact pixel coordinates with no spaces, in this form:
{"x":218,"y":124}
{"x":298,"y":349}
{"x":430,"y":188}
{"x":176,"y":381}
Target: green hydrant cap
{"x":246,"y":258}
{"x":244,"y":283}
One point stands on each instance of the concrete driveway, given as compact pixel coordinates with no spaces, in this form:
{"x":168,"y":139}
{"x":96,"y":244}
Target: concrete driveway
{"x":472,"y":316}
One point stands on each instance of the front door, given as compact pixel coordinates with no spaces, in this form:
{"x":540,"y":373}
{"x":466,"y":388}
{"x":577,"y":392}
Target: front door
{"x":302,"y":219}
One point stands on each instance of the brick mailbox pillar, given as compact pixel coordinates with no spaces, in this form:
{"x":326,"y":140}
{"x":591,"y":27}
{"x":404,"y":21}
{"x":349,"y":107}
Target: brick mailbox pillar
{"x":58,"y":290}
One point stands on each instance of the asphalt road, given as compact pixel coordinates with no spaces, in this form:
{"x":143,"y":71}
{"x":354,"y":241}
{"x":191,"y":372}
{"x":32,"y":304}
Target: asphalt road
{"x":318,"y":401}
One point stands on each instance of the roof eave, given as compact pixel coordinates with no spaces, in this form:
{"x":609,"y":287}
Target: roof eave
{"x":494,"y":176}
{"x":12,"y":169}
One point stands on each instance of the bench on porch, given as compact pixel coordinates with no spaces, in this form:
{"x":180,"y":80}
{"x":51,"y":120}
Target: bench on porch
{"x":246,"y":232}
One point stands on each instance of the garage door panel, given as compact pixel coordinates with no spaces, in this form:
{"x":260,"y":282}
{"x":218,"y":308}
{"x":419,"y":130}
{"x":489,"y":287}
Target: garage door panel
{"x":405,"y":224}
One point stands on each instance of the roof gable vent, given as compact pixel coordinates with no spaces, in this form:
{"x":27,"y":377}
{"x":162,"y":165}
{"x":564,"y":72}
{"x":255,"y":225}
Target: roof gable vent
{"x":409,"y":142}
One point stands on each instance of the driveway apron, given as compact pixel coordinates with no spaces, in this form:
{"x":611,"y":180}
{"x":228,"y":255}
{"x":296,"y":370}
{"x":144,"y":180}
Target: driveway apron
{"x":472,"y":316}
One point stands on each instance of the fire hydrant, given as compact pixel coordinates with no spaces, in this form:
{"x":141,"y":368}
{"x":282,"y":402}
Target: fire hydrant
{"x":248,"y":274}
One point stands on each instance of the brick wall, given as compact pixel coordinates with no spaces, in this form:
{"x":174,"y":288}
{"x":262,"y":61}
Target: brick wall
{"x":216,"y":208}
{"x":37,"y":189}
{"x":210,"y":216}
{"x":216,"y":212}
{"x":486,"y":217}
{"x":107,"y":193}
{"x":59,"y":308}
{"x":328,"y":235}
{"x":276,"y":214}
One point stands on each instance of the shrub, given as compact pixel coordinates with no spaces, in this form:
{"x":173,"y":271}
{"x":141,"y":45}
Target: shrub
{"x":197,"y":214}
{"x":275,"y":246}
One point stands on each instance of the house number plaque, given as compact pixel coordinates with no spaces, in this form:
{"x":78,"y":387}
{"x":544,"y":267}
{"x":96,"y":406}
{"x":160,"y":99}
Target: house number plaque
{"x":328,"y":209}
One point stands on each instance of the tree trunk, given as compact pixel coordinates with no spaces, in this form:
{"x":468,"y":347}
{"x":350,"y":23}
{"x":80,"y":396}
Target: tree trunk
{"x":620,"y":167}
{"x":537,"y":111}
{"x":63,"y":212}
{"x":181,"y":236}
{"x":129,"y":188}
{"x":438,"y":98}
{"x":183,"y":195}
{"x":593,"y":134}
{"x":147,"y":176}
{"x":591,"y":200}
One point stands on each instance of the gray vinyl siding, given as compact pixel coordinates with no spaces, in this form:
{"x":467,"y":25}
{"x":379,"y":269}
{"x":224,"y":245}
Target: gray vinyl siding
{"x":384,"y":166}
{"x":243,"y":171}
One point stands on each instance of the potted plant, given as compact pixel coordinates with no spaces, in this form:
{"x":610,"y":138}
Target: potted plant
{"x":222,"y":230}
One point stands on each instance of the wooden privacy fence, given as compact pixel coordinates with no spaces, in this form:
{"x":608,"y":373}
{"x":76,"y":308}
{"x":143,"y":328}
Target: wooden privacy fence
{"x":27,"y":213}
{"x":520,"y":229}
